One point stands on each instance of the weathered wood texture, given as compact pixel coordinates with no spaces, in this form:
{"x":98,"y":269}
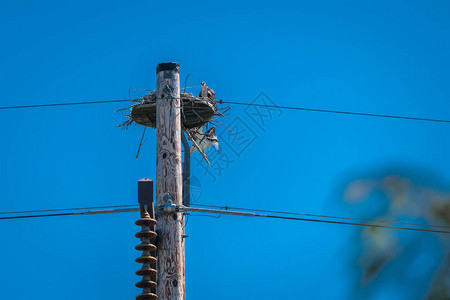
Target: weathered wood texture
{"x":170,"y":265}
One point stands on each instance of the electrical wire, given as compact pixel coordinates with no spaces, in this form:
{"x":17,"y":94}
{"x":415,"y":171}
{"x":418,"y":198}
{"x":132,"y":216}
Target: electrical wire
{"x":246,"y":104}
{"x":39,"y":216}
{"x":207,"y":216}
{"x":356,"y":224}
{"x":89,"y":212}
{"x":322,"y":216}
{"x":248,"y":214}
{"x":66,"y":104}
{"x":226,"y":210}
{"x":66,"y":209}
{"x":339,"y":112}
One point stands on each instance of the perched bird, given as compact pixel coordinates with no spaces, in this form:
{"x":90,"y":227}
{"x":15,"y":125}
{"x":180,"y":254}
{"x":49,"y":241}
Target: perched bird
{"x":206,"y":92}
{"x":204,"y":140}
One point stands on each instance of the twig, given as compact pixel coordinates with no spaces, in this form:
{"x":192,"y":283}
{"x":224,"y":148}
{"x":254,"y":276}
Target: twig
{"x":141,"y":143}
{"x":212,"y":122}
{"x":185,"y":81}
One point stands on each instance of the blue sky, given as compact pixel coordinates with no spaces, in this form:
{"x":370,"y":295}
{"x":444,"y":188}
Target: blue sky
{"x":381,"y":57}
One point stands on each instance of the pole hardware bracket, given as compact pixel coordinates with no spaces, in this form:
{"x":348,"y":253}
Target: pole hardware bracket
{"x":173,"y":208}
{"x":169,"y":207}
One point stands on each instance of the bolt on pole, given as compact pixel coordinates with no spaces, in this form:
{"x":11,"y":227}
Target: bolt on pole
{"x":170,"y":227}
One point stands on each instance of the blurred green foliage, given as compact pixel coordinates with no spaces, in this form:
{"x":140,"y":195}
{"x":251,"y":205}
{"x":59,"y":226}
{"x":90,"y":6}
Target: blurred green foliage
{"x":412,"y":265}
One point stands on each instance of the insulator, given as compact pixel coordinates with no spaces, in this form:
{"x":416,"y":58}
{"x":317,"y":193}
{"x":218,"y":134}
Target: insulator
{"x":148,"y":257}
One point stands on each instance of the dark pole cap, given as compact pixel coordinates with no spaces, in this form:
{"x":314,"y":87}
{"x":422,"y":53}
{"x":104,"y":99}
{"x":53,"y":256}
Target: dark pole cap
{"x":145,"y":191}
{"x":169,"y":66}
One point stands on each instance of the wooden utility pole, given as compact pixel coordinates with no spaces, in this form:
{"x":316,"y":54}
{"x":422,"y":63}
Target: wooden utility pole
{"x":170,"y":264}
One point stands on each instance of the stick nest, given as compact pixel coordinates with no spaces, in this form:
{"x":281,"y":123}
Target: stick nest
{"x":195,"y":111}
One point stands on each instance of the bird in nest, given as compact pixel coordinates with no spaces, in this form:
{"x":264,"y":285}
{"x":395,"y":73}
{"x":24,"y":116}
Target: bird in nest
{"x":206,"y":92}
{"x":203,"y":140}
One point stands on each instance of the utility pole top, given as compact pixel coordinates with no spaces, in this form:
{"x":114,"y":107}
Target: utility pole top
{"x":168,"y":66}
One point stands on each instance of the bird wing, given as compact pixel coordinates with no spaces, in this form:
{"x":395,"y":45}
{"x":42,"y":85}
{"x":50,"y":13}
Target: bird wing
{"x":192,"y":149}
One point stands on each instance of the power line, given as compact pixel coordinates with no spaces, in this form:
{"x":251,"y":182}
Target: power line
{"x":39,"y":216}
{"x":246,"y":104}
{"x":66,"y":104}
{"x":89,"y":212}
{"x":226,"y":210}
{"x":340,"y":112}
{"x":322,"y":216}
{"x":66,"y":209}
{"x":357,"y":224}
{"x":246,"y":214}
